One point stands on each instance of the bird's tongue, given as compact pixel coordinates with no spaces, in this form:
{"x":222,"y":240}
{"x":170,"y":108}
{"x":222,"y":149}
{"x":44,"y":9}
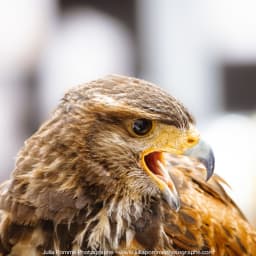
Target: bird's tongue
{"x":156,"y":163}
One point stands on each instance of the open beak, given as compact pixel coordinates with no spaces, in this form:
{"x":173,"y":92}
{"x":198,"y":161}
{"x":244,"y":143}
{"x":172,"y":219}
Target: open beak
{"x":180,"y":143}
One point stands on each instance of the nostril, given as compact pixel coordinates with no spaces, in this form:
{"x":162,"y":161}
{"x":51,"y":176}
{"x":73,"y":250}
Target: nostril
{"x":192,"y":137}
{"x":191,"y":141}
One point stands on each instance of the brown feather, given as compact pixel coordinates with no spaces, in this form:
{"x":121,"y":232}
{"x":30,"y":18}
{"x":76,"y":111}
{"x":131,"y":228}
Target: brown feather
{"x":78,"y":184}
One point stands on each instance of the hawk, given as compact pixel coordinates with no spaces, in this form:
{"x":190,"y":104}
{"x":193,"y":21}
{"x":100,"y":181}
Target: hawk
{"x":119,"y":168}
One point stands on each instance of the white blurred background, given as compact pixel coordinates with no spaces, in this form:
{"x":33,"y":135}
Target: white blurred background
{"x":204,"y":53}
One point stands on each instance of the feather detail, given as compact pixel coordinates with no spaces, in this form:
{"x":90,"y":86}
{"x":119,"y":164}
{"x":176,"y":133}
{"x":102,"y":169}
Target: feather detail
{"x":78,"y":184}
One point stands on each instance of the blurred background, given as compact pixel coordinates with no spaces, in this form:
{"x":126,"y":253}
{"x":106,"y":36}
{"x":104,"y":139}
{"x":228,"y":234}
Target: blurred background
{"x":203,"y":52}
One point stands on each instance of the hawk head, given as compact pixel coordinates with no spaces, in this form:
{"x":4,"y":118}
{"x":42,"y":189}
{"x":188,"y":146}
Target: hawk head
{"x":104,"y":148}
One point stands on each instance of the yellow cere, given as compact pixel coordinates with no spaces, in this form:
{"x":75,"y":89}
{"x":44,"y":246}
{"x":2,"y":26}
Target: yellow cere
{"x":167,"y":138}
{"x":171,"y":139}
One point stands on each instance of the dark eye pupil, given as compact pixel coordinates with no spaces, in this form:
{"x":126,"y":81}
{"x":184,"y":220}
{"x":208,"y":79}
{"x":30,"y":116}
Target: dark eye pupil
{"x":142,"y":126}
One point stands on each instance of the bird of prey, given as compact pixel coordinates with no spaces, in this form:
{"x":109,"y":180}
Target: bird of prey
{"x":119,"y":169}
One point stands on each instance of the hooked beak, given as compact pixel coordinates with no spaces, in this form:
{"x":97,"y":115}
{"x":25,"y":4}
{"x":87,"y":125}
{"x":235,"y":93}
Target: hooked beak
{"x":204,"y":154}
{"x":178,"y":143}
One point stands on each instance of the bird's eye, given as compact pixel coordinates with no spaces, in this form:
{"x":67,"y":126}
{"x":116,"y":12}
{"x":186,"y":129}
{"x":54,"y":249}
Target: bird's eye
{"x":142,"y":127}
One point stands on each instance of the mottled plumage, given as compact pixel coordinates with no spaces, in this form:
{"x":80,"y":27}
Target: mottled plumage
{"x":80,"y":182}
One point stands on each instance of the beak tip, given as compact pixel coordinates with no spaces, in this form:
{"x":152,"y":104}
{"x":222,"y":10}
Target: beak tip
{"x":177,"y":207}
{"x":209,"y":164}
{"x":205,"y":155}
{"x":173,"y":200}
